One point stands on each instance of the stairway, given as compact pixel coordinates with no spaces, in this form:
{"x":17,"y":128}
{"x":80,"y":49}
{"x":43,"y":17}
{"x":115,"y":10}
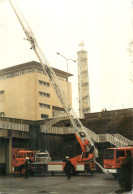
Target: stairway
{"x":115,"y":139}
{"x":48,"y":125}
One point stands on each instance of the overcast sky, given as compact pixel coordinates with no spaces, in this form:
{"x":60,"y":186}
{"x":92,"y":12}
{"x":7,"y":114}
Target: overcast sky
{"x":105,"y":26}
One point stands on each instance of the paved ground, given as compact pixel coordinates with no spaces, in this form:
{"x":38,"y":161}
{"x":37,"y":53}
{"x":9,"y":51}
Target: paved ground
{"x":97,"y":184}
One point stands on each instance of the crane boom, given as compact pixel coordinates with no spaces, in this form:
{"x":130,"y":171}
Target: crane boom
{"x":79,"y":129}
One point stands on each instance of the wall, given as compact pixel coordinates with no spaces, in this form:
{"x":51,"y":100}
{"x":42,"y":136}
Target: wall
{"x":21,"y":96}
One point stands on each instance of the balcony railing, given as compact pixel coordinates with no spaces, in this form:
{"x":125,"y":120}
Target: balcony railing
{"x":14,"y":126}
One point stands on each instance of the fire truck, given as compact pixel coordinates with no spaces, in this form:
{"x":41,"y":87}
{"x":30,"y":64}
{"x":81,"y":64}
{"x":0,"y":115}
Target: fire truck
{"x":19,"y":155}
{"x":80,"y":131}
{"x":113,"y":158}
{"x":18,"y":159}
{"x":79,"y":164}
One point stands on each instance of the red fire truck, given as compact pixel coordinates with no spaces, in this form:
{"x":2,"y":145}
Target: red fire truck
{"x":82,"y":163}
{"x":79,"y":163}
{"x":113,"y":158}
{"x":18,"y":159}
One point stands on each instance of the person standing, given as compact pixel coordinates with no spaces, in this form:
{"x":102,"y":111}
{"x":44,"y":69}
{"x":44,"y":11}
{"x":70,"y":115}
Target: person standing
{"x":68,"y":167}
{"x":125,"y":173}
{"x":26,"y":166}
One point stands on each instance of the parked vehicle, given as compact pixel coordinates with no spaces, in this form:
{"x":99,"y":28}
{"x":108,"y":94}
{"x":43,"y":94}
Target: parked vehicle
{"x":113,"y":158}
{"x":18,"y":159}
{"x":42,"y":157}
{"x":78,"y":165}
{"x":82,"y":163}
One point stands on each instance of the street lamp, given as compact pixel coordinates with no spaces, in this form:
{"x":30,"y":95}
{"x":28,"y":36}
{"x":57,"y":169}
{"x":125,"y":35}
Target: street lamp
{"x":67,"y":70}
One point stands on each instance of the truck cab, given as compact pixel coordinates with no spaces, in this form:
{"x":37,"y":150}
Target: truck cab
{"x":113,"y":158}
{"x":18,"y":158}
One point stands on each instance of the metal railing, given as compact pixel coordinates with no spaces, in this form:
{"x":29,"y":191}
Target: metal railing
{"x":92,"y":135}
{"x":14,"y":126}
{"x":49,"y":124}
{"x":123,"y":139}
{"x":115,"y":141}
{"x":59,"y":130}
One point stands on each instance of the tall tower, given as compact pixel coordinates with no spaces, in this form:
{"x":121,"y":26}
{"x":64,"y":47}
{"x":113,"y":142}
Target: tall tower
{"x":83,"y":81}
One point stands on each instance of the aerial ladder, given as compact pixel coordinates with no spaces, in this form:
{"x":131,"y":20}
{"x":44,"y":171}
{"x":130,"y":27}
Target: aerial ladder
{"x":80,"y":131}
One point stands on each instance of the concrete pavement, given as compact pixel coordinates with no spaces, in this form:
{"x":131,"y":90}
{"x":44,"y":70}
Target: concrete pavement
{"x":97,"y":184}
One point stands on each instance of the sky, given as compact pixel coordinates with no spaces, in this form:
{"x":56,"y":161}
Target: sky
{"x":105,"y":26}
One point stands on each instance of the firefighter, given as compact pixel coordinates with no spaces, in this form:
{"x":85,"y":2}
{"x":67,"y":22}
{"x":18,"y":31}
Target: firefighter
{"x":26,"y":167}
{"x":68,"y":167}
{"x":125,"y":174}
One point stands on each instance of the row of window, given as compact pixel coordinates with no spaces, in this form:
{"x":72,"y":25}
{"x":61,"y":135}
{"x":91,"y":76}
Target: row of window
{"x":44,"y":83}
{"x":44,"y":94}
{"x":21,"y":72}
{"x":44,"y":116}
{"x":54,"y":108}
{"x":46,"y":106}
{"x":25,"y":71}
{"x":54,"y":114}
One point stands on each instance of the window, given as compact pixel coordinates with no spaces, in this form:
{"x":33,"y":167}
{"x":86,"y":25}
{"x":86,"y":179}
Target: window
{"x":40,"y":71}
{"x":2,"y":77}
{"x":2,"y":95}
{"x":44,"y":83}
{"x":41,"y":155}
{"x":16,"y":73}
{"x":44,"y":116}
{"x":2,"y":114}
{"x":9,"y":75}
{"x":44,"y":94}
{"x":57,"y":110}
{"x":128,"y":153}
{"x":30,"y":70}
{"x":19,"y":155}
{"x":1,"y":92}
{"x":120,"y":153}
{"x":47,"y":106}
{"x":23,"y":71}
{"x":109,"y":154}
{"x":29,"y":154}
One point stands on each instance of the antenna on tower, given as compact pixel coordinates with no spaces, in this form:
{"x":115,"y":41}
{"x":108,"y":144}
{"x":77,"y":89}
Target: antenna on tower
{"x":82,"y":46}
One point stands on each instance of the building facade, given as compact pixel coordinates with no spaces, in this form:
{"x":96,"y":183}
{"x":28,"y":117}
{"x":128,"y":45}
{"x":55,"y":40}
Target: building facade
{"x":83,"y":81}
{"x":26,"y":92}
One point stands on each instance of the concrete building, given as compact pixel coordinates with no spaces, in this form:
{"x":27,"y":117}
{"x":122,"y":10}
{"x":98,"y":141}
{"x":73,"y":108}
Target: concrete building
{"x":26,"y":92}
{"x":83,"y":81}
